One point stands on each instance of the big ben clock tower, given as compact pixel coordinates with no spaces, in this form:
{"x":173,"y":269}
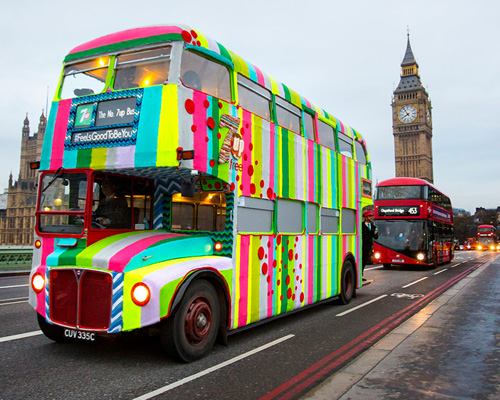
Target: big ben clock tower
{"x":412,"y":122}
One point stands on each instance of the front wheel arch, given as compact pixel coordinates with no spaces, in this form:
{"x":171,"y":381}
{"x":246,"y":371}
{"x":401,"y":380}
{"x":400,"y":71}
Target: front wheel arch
{"x":219,"y":285}
{"x":189,"y":333}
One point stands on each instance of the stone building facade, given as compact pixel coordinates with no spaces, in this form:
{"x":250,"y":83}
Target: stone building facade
{"x":412,"y":123}
{"x":18,"y":220}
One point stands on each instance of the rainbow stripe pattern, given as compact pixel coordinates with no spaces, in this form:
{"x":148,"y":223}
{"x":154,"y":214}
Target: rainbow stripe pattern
{"x":266,"y":275}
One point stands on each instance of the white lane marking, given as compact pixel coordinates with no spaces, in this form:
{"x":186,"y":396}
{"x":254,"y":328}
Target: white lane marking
{"x":13,"y":301}
{"x":440,"y":272}
{"x":361,"y":305}
{"x":211,"y":369}
{"x":14,"y":298}
{"x":20,"y":336}
{"x":13,"y":286}
{"x":377,"y":267}
{"x":413,"y":283}
{"x":456,"y":265}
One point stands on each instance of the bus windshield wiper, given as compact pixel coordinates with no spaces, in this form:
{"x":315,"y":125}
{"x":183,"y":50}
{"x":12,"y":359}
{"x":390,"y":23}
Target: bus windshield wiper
{"x":57,"y":175}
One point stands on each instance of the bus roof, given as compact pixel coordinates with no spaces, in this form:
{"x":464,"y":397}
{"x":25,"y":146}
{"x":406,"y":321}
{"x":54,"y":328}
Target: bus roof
{"x":195,"y":39}
{"x":406,"y":181}
{"x":487,"y":226}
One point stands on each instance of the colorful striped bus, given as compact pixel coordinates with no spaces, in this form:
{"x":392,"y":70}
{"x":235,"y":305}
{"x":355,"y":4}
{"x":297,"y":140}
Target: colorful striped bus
{"x":183,"y":188}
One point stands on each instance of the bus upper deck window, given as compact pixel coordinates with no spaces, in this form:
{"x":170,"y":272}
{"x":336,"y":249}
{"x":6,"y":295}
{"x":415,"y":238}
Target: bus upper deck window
{"x":207,"y":76}
{"x":309,"y":126}
{"x":142,"y":68}
{"x":345,"y":145}
{"x":288,"y":115}
{"x":326,"y":135}
{"x":84,"y":78}
{"x":360,"y":152}
{"x":254,"y":97}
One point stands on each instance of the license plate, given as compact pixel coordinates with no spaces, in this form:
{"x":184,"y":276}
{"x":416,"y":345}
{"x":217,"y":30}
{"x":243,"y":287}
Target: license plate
{"x":395,"y":260}
{"x":79,"y":335}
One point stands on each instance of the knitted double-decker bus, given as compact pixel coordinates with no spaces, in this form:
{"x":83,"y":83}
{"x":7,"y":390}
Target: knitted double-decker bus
{"x":182,"y":187}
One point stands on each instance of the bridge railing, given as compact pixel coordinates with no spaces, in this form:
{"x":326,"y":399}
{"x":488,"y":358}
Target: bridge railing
{"x":15,"y":257}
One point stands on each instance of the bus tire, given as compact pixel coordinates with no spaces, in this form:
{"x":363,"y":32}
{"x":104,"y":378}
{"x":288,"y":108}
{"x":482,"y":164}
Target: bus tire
{"x":53,"y":332}
{"x":347,"y":282}
{"x":434,"y":261}
{"x":189,"y":334}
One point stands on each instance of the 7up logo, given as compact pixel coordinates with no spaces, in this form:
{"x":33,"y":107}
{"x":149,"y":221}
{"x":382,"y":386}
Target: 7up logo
{"x":83,"y":115}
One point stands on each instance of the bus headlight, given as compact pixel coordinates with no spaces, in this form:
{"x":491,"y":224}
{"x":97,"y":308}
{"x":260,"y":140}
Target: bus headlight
{"x":141,"y":294}
{"x":377,"y":255}
{"x":492,"y":247}
{"x":37,"y":282}
{"x":479,"y":247}
{"x":420,"y":256}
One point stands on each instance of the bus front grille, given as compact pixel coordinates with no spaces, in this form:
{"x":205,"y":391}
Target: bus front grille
{"x":80,"y":298}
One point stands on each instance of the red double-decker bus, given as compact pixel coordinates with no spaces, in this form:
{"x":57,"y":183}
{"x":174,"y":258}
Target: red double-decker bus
{"x":415,"y":223}
{"x":487,"y":238}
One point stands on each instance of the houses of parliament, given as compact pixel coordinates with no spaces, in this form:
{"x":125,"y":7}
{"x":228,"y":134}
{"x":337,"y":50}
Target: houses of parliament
{"x":17,"y":220}
{"x":411,"y":124}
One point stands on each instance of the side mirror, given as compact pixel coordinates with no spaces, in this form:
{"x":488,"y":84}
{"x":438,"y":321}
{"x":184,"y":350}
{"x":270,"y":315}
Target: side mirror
{"x":188,"y":187}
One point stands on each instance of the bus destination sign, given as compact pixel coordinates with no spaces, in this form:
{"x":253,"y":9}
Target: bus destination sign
{"x":441,"y":214}
{"x":116,"y":112}
{"x":399,"y":211}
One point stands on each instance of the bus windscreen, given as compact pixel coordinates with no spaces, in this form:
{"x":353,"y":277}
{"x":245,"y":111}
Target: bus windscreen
{"x":399,"y":192}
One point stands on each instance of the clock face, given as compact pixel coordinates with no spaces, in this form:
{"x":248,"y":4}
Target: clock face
{"x":428,"y":113}
{"x":407,"y":114}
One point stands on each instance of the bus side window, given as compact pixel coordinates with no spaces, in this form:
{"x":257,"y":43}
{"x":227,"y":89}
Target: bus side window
{"x":288,"y":116}
{"x":183,"y":216}
{"x":207,"y":76}
{"x":309,"y":126}
{"x":255,"y":215}
{"x":345,"y":145}
{"x":326,"y":135}
{"x":290,"y":216}
{"x":205,"y":211}
{"x":348,"y":221}
{"x":254,"y":98}
{"x":329,"y":221}
{"x":312,"y":218}
{"x":360,"y":152}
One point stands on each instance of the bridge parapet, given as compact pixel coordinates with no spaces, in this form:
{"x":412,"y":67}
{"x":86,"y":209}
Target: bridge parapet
{"x":15,"y":256}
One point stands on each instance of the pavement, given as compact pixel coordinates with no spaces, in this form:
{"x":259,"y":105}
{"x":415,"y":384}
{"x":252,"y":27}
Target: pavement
{"x":449,"y":350}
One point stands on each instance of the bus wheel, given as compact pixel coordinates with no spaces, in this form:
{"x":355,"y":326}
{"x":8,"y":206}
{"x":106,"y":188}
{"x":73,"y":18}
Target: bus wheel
{"x":53,"y":332}
{"x":347,"y":286}
{"x":190,"y":333}
{"x":434,"y":261}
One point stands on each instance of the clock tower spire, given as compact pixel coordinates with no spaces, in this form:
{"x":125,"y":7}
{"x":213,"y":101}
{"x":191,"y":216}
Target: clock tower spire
{"x":412,"y":122}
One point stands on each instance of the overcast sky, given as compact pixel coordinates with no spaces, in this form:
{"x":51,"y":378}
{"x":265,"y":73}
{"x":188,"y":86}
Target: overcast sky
{"x":344,"y":56}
